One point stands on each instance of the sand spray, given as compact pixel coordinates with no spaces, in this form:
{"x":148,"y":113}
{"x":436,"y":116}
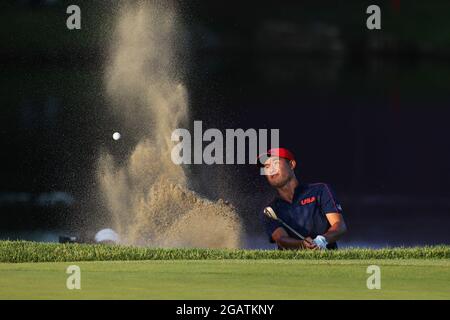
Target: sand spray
{"x":147,"y":196}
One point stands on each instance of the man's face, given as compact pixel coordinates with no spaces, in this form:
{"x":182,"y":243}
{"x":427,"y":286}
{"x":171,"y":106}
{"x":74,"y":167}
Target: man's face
{"x":278,"y":171}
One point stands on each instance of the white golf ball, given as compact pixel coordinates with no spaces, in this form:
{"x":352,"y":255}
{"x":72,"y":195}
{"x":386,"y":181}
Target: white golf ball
{"x":116,"y":136}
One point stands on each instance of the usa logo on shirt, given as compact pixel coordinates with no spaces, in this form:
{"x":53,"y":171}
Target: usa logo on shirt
{"x":307,"y":200}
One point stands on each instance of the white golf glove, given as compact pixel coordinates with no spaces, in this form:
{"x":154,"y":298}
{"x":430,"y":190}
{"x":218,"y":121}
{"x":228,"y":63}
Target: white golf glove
{"x":321,"y":242}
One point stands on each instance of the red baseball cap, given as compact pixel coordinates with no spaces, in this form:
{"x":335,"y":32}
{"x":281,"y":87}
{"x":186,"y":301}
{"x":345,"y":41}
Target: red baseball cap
{"x":276,"y":152}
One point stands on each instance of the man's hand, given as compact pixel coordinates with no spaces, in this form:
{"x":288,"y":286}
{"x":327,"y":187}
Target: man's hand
{"x":321,"y":242}
{"x":283,"y":240}
{"x":310,"y":244}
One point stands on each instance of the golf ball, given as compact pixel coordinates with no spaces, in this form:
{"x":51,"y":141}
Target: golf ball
{"x":116,"y":136}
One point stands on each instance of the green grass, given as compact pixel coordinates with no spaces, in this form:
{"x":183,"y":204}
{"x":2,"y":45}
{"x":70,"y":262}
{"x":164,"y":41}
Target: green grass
{"x":228,"y":279}
{"x":22,"y":251}
{"x":31,"y":270}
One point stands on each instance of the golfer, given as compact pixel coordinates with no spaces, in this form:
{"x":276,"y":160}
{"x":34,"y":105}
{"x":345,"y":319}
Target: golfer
{"x":312,"y":210}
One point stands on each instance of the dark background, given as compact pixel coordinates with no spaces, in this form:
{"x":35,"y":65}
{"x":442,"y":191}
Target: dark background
{"x":366,"y":111}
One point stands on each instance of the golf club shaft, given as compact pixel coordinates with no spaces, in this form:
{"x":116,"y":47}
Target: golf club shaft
{"x":295,"y":232}
{"x":272,"y":215}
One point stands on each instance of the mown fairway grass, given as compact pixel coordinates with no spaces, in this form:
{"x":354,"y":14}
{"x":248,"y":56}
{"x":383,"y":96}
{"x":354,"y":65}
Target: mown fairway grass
{"x":220,"y":274}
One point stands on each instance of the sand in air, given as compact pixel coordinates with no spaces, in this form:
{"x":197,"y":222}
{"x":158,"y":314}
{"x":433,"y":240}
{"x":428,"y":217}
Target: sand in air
{"x":147,"y":197}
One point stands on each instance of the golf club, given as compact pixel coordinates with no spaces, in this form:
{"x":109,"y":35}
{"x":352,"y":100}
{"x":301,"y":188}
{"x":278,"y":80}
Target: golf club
{"x":269,"y":212}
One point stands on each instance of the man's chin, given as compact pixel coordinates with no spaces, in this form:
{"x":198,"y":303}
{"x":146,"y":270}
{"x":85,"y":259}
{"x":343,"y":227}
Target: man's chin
{"x":277,"y":184}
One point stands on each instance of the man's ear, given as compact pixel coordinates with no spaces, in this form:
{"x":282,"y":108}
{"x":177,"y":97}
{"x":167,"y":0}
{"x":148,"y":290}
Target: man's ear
{"x":293,"y":164}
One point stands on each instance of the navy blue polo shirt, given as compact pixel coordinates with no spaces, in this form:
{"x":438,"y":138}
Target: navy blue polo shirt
{"x":307,"y":212}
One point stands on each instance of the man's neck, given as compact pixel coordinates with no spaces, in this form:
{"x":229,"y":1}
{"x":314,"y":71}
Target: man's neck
{"x":286,"y":192}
